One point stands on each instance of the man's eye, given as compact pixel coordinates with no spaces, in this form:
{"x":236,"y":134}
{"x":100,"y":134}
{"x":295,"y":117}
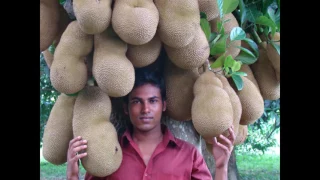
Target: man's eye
{"x":153,"y":100}
{"x":134,"y":102}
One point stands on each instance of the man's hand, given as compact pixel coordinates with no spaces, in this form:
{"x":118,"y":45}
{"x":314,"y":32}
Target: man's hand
{"x":75,"y":145}
{"x":222,"y":151}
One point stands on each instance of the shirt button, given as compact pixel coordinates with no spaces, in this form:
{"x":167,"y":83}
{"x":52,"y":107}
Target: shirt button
{"x":146,"y":174}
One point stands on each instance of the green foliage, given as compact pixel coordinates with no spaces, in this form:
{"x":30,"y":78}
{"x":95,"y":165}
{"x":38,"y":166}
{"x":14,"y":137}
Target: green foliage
{"x":48,"y":95}
{"x":261,"y":133}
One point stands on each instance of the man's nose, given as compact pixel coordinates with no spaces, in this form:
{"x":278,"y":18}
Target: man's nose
{"x":145,"y":108}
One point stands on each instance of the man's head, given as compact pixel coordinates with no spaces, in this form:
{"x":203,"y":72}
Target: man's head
{"x":146,"y":102}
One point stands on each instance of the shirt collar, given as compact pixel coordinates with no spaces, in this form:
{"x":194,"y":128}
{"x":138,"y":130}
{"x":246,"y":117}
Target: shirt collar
{"x":168,"y":138}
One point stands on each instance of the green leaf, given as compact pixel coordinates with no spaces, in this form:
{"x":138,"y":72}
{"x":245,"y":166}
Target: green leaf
{"x":226,"y":70}
{"x":220,"y":27}
{"x":276,"y":46}
{"x":253,"y":13}
{"x":240,"y":73}
{"x":253,"y":46}
{"x":52,"y":48}
{"x":220,"y":6}
{"x":236,"y":66}
{"x":277,"y":19}
{"x":238,"y":81}
{"x":245,"y":57}
{"x":266,"y":5}
{"x":203,"y":15}
{"x":229,"y":6}
{"x":271,"y":14}
{"x":237,"y":34}
{"x":243,"y":13}
{"x":218,"y":63}
{"x":205,"y":27}
{"x":229,"y":61}
{"x":220,"y":46}
{"x":62,"y":2}
{"x":263,"y":20}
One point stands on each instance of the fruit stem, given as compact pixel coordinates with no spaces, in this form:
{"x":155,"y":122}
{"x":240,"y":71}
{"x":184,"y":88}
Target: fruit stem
{"x":255,"y":36}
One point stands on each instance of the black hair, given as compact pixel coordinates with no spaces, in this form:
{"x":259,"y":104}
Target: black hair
{"x":148,"y":76}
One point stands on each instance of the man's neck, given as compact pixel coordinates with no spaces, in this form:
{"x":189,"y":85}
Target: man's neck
{"x":153,"y":136}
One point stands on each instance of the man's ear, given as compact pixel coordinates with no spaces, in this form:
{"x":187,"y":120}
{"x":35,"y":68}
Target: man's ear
{"x":164,"y":106}
{"x":125,"y":108}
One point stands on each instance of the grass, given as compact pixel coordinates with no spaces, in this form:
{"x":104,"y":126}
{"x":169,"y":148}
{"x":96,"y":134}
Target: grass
{"x":250,"y":166}
{"x":260,"y":167}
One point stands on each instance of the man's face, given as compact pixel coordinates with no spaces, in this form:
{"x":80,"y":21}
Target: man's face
{"x":145,"y":107}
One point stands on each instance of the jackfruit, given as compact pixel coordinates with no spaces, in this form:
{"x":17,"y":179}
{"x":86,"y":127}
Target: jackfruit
{"x":93,"y":16}
{"x":241,"y":135}
{"x":146,"y":54}
{"x":91,"y":121}
{"x":193,"y":55}
{"x":228,"y":26}
{"x":112,"y":70}
{"x":247,"y":69}
{"x":49,"y":19}
{"x":58,"y":130}
{"x":210,"y":7}
{"x":135,"y":21}
{"x":179,"y":89}
{"x":251,"y":101}
{"x":235,"y":102}
{"x":211,"y":110}
{"x":266,"y":77}
{"x":68,"y":71}
{"x":178,"y":21}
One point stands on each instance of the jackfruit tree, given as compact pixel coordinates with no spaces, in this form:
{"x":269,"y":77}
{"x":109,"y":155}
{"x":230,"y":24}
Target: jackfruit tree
{"x":220,"y":60}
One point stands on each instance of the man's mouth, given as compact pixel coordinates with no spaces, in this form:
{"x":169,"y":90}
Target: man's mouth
{"x":146,"y":118}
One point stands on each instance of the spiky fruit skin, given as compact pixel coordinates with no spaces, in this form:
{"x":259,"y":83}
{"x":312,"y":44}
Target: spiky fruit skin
{"x":146,"y":54}
{"x":241,"y":135}
{"x":235,"y":102}
{"x":247,"y":69}
{"x":210,"y":7}
{"x":135,"y":21}
{"x":93,"y":16}
{"x":179,"y":89}
{"x":112,"y":70}
{"x":58,"y":130}
{"x":193,"y":55}
{"x":266,"y":77}
{"x":68,"y":71}
{"x":251,"y":101}
{"x":49,"y":22}
{"x":211,"y":110}
{"x":91,"y":121}
{"x":177,"y":24}
{"x":274,"y":58}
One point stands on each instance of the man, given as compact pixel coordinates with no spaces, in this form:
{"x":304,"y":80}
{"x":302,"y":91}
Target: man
{"x":150,"y":151}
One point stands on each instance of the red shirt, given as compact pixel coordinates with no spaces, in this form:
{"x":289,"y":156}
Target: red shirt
{"x":173,"y":158}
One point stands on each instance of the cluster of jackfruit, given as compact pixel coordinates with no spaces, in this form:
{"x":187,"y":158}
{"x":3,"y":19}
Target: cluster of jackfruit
{"x":106,"y":41}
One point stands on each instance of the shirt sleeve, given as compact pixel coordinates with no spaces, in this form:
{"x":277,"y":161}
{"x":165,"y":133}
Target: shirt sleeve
{"x":200,"y":169}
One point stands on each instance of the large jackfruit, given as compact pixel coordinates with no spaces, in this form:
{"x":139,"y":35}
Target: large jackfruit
{"x":111,"y":69}
{"x":68,"y":70}
{"x":58,"y":130}
{"x":91,"y":121}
